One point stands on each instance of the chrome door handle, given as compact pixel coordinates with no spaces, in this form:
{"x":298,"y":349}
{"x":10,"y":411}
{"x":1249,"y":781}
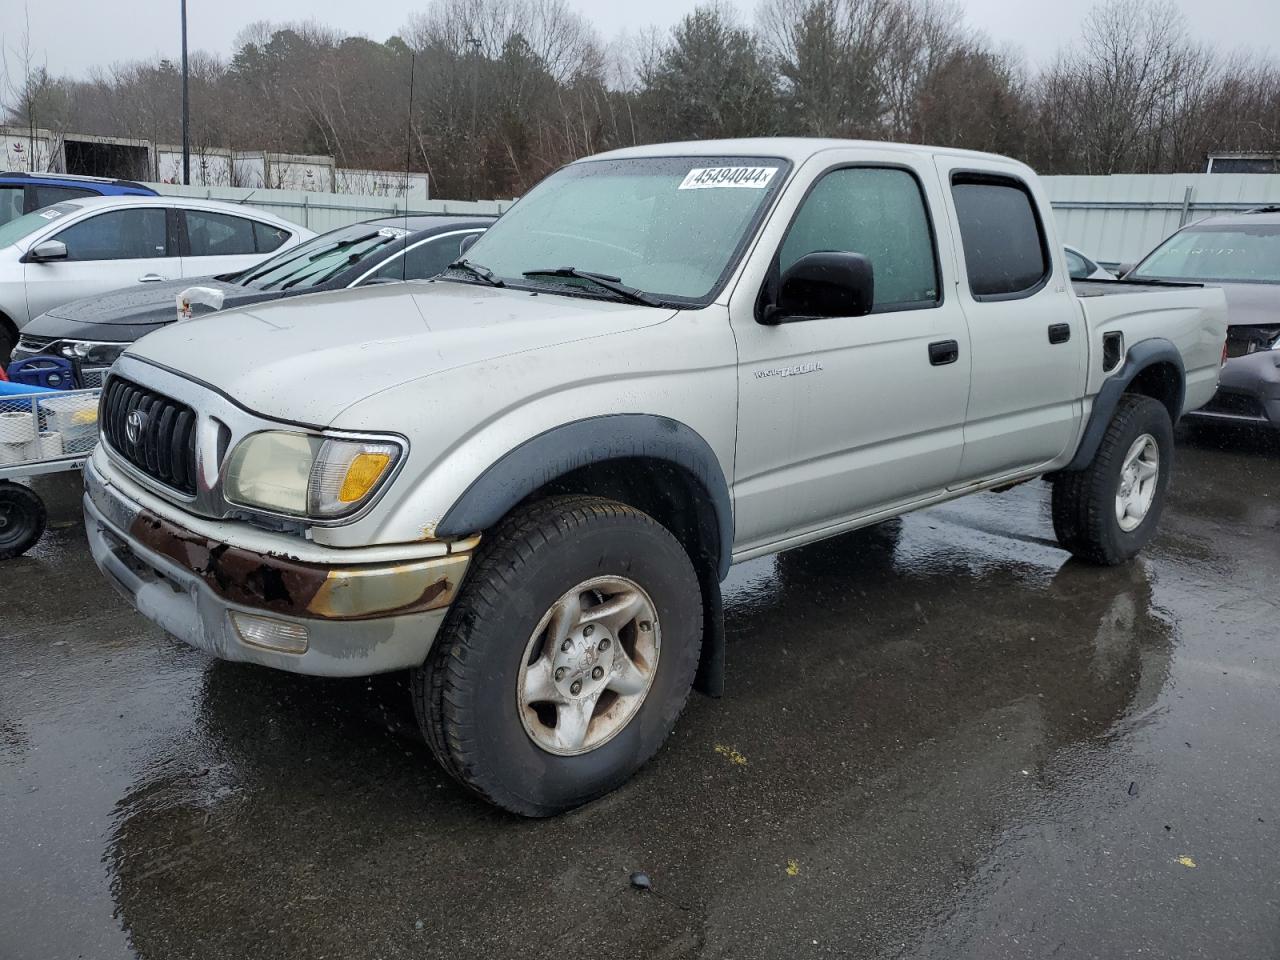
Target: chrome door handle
{"x":151,"y":278}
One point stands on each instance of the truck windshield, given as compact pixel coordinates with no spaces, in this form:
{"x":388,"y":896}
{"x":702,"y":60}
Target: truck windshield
{"x":1230,"y":253}
{"x":321,"y":258}
{"x":668,"y":227}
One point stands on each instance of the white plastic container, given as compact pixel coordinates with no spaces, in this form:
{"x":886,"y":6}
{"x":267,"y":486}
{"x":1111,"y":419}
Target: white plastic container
{"x":74,"y":417}
{"x":11,"y":453}
{"x":50,"y":445}
{"x":17,"y":426}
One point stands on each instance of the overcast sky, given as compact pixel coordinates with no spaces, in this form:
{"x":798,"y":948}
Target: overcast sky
{"x":73,"y":36}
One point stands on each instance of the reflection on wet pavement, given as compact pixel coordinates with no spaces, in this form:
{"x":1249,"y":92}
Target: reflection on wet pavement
{"x":940,"y":738}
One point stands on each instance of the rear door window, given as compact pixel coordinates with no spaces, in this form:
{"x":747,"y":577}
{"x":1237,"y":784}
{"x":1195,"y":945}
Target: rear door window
{"x":1005,"y":253}
{"x":219,"y":235}
{"x":118,"y":235}
{"x":39,"y":195}
{"x":267,"y":237}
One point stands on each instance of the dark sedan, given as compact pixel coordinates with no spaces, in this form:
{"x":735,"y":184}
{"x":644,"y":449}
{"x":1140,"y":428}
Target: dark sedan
{"x":92,"y":332}
{"x":1241,"y":254}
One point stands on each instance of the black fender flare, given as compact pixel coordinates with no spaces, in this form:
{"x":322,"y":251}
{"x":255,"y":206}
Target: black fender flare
{"x":1139,"y":357}
{"x":565,"y":448}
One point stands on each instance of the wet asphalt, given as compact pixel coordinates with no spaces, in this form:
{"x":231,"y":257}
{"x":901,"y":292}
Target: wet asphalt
{"x":941,"y":738}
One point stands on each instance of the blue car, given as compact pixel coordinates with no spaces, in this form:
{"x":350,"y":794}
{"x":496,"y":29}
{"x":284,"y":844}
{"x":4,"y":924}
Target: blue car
{"x":21,"y":193}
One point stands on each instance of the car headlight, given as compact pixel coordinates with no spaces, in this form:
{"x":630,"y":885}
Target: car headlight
{"x":304,"y":475}
{"x":90,"y":352}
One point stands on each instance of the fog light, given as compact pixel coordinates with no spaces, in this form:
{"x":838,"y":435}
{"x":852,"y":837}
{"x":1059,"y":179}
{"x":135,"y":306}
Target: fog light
{"x":277,"y":635}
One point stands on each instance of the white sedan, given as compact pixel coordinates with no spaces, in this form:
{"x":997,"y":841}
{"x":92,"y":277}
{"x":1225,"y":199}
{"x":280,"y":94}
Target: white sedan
{"x":85,"y":247}
{"x":1081,"y":267}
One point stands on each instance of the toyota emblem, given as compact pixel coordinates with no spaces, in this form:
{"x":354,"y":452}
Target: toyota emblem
{"x":133,"y":426}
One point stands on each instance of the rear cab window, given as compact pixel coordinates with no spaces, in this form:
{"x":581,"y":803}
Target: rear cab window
{"x":1006,"y":255}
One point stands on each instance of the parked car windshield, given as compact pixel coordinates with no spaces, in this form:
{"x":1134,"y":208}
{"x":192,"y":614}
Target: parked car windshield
{"x":1230,"y":253}
{"x":671,"y":227}
{"x":321,"y":258}
{"x":24,"y":226}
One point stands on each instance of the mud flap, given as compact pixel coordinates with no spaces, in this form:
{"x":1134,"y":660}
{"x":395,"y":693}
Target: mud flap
{"x":710,"y":676}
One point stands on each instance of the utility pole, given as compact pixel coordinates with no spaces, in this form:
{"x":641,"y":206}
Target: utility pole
{"x":186,"y":106}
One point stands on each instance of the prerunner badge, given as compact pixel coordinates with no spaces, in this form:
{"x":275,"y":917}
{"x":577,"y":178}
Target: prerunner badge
{"x":754,"y":178}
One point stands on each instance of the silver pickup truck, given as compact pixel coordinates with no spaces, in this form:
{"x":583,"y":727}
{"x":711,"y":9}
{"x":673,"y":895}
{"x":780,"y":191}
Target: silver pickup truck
{"x":525,"y":481}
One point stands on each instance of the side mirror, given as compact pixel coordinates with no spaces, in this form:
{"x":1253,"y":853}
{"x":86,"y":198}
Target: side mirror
{"x":825,"y":284}
{"x":1124,"y":269}
{"x":467,"y":243}
{"x":48,"y":250}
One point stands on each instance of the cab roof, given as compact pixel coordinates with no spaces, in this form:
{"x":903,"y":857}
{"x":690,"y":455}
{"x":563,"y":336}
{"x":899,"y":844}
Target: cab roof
{"x":795,"y":149}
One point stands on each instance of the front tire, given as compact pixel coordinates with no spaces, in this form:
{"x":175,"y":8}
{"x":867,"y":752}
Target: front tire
{"x":563,"y":664}
{"x":1107,"y":512}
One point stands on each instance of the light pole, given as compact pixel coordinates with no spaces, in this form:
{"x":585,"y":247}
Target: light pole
{"x":474,"y":44}
{"x":186,"y":106}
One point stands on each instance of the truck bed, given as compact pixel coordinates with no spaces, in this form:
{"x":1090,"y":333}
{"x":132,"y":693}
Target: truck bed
{"x":1190,"y":316}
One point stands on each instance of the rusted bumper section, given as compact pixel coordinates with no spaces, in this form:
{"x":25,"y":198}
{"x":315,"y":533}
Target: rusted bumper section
{"x":345,"y":620}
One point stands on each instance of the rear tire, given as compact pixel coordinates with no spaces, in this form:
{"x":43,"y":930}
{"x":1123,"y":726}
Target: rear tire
{"x":496,"y":698}
{"x":1107,"y":512}
{"x":22,"y":519}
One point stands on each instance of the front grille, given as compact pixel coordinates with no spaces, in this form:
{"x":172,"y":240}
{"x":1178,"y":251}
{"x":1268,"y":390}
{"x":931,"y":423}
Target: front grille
{"x":1235,"y":404}
{"x":29,"y":346}
{"x":164,"y":447}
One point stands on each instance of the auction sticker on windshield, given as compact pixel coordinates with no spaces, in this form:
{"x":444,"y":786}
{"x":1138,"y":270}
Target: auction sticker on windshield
{"x":754,"y":178}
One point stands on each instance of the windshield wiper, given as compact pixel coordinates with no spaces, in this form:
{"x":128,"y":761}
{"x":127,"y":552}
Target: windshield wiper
{"x":477,"y":270}
{"x":274,"y":263}
{"x":602,"y":280}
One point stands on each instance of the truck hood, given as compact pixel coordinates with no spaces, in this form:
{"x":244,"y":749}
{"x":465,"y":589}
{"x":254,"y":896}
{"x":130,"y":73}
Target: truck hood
{"x":306,"y":359}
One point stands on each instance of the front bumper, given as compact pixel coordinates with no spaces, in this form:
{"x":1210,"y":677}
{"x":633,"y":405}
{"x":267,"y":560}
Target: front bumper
{"x":1248,"y":391}
{"x":359,"y":619}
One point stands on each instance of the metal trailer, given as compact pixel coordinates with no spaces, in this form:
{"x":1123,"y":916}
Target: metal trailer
{"x":49,"y":431}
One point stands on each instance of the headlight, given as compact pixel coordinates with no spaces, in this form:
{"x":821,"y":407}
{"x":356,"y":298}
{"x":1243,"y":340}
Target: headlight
{"x":97,"y":354}
{"x":304,"y":475}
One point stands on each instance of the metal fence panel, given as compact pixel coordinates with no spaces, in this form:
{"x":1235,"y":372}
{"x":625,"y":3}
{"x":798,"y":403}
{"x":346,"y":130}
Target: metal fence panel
{"x":327,"y":211}
{"x":1121,"y":218}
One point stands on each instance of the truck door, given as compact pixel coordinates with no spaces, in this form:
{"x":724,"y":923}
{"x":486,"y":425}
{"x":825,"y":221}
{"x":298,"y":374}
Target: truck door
{"x":839,"y":417}
{"x":1028,"y":339}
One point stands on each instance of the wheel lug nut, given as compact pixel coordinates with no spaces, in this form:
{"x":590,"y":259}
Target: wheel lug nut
{"x":566,"y":646}
{"x":645,"y":626}
{"x":559,"y":673}
{"x":588,"y":630}
{"x":604,"y":644}
{"x":576,"y":687}
{"x":597,"y":673}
